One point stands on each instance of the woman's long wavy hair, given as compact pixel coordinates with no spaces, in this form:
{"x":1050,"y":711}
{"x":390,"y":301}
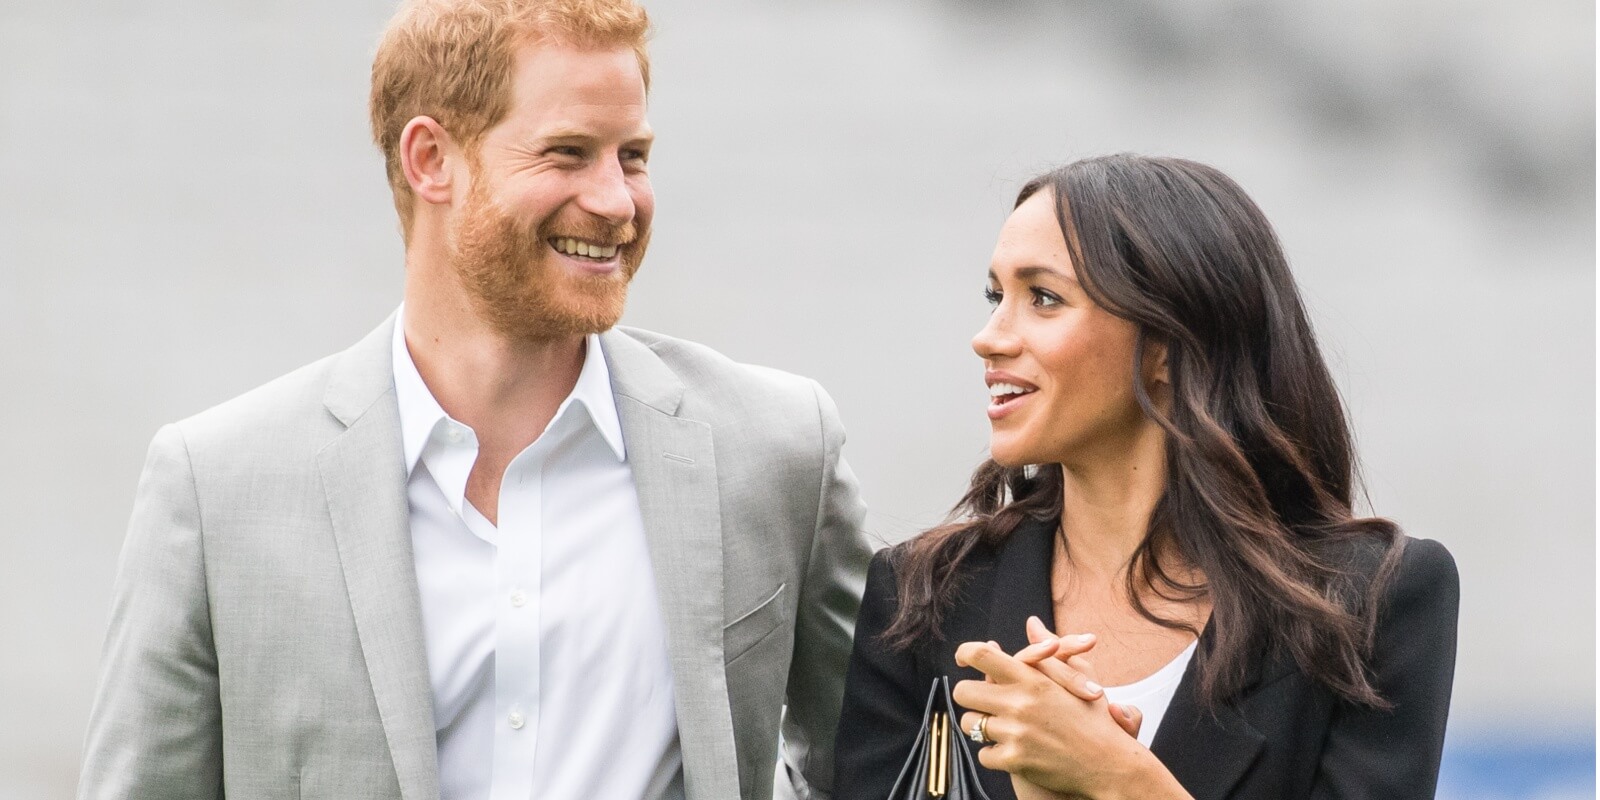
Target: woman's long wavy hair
{"x":1260,"y":468}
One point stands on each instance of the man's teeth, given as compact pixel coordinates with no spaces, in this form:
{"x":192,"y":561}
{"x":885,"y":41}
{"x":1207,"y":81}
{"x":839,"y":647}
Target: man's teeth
{"x":1003,"y":389}
{"x":578,"y":247}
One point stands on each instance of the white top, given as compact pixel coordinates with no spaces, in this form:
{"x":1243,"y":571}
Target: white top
{"x":546,"y":647}
{"x":1153,"y":695}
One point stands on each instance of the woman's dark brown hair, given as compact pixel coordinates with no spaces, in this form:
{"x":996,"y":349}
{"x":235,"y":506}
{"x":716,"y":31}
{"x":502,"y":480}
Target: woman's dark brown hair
{"x":1260,"y":467}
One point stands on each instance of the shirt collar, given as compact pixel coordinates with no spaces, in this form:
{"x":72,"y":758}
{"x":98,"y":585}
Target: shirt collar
{"x":420,"y":412}
{"x":593,"y":390}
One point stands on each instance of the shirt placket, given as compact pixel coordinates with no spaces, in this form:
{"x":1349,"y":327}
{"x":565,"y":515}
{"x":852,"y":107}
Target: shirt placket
{"x":517,"y":623}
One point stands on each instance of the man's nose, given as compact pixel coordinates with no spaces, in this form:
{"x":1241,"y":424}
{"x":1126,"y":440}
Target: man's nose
{"x":606,"y":194}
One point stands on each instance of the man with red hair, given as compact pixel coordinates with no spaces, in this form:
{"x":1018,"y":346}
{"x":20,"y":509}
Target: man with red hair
{"x":499,"y":548}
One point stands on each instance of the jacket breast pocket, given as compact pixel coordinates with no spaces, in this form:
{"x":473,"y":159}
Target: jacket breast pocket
{"x":754,"y":625}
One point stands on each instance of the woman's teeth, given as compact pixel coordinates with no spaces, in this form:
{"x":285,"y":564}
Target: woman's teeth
{"x":1001,"y":392}
{"x":578,"y":247}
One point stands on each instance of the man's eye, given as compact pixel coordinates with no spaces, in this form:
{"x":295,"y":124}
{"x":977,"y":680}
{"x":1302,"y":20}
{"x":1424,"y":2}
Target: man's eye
{"x":568,"y":150}
{"x":634,"y":160}
{"x":993,"y":296}
{"x":1044,"y":299}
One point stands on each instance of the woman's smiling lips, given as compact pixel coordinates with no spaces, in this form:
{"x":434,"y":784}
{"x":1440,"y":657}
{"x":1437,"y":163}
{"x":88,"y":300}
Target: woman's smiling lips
{"x":1006,"y":392}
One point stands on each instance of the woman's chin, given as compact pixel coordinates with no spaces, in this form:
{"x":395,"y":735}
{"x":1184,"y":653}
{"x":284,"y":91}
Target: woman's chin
{"x":1009,"y":457}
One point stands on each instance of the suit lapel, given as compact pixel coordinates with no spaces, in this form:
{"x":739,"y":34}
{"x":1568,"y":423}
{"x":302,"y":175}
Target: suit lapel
{"x":675,"y":472}
{"x":363,"y":476}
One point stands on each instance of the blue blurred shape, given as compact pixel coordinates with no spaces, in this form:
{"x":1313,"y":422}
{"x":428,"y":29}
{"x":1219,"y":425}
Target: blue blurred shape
{"x":1518,"y":768}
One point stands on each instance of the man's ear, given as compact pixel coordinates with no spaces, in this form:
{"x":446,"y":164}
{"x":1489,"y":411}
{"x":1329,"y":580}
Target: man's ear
{"x":426,"y":153}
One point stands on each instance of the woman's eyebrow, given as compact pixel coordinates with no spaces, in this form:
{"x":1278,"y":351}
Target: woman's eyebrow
{"x":1033,"y":272}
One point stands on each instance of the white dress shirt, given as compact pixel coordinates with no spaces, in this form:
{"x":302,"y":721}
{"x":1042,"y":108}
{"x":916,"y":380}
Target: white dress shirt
{"x":546,"y":647}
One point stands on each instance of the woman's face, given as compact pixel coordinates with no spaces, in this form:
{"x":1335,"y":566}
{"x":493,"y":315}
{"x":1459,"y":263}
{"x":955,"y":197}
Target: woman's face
{"x":1059,"y":368}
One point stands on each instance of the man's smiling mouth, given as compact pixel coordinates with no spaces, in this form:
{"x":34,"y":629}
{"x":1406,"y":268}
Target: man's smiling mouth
{"x":578,"y":248}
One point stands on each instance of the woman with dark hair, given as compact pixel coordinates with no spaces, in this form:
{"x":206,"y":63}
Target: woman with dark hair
{"x":1172,"y":480}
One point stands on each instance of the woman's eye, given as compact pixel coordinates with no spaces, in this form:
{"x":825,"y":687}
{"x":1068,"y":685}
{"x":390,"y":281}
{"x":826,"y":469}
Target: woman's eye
{"x":1044,"y":299}
{"x":993,"y":296}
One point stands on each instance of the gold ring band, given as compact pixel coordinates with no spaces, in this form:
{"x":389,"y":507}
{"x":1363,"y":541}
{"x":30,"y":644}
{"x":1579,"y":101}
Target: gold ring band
{"x":978,"y":734}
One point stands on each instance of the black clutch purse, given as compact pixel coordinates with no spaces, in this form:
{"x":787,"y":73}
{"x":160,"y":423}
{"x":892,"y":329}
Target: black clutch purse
{"x":940,"y":766}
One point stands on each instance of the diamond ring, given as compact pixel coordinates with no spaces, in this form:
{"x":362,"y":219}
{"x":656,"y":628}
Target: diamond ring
{"x":978,"y":734}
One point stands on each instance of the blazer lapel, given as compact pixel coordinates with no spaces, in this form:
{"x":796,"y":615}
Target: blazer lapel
{"x":1207,"y":750}
{"x":364,"y":478}
{"x":1022,"y":584}
{"x":675,"y":472}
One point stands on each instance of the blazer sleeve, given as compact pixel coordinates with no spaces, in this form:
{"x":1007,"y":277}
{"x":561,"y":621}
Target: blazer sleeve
{"x":830,"y":597}
{"x":884,"y":697}
{"x":1395,"y":754}
{"x":155,"y":729}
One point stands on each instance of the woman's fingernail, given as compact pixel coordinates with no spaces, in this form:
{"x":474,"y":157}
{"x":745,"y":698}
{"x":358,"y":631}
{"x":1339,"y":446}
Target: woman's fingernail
{"x":1092,"y":687}
{"x":1084,"y":638}
{"x":1127,"y":713}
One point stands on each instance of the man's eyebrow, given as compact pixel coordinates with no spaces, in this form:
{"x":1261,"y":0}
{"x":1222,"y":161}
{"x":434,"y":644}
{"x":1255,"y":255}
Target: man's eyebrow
{"x":578,"y":134}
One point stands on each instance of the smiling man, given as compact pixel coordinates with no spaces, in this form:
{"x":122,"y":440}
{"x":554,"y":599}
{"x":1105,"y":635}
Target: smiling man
{"x":499,"y":548}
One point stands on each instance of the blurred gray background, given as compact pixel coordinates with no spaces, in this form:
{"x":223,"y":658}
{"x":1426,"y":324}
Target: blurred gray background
{"x":191,"y":206}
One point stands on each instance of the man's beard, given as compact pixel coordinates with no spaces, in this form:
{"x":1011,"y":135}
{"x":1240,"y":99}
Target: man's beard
{"x":511,"y":275}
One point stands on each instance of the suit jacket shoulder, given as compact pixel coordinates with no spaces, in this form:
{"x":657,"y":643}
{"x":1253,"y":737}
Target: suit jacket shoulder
{"x":260,"y":422}
{"x":767,"y":416}
{"x":253,"y":451}
{"x":716,"y":382}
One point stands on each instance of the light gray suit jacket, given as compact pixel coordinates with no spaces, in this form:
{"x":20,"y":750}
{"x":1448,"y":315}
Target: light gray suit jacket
{"x":266,"y":639}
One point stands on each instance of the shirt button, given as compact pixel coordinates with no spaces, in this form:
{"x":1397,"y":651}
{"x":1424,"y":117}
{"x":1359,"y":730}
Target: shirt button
{"x":519,"y":598}
{"x":454,"y":435}
{"x":516,"y":720}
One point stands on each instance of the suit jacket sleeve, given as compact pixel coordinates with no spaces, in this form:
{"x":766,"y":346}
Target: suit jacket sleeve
{"x":1395,"y":754}
{"x":884,"y":697}
{"x":155,"y":730}
{"x":829,"y":600}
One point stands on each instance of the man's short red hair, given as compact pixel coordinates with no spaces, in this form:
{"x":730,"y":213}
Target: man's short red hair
{"x":451,"y":60}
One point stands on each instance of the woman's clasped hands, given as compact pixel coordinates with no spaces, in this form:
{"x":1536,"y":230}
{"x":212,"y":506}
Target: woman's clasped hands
{"x":1049,"y":723}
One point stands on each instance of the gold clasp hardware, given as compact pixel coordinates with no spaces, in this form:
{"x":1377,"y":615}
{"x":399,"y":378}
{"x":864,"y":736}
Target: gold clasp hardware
{"x":939,"y":755}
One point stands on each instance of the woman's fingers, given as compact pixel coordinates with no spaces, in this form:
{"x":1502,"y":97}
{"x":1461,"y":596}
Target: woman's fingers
{"x":990,"y":698}
{"x":1083,"y":665}
{"x":988,"y":658}
{"x":1075,"y":645}
{"x":1038,"y":651}
{"x":1128,"y":718}
{"x":1070,"y":644}
{"x":1068,"y":648}
{"x":1037,"y":632}
{"x":1070,"y":679}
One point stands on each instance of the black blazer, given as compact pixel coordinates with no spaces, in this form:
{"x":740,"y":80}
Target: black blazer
{"x":1285,"y":737}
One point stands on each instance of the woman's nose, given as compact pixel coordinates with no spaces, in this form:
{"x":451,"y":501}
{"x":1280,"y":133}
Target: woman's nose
{"x":995,"y":339}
